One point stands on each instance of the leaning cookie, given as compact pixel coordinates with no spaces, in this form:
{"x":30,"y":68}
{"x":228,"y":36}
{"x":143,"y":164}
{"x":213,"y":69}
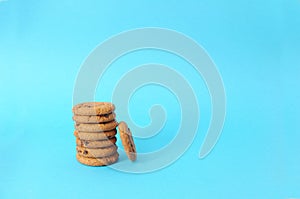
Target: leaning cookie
{"x":127,"y":141}
{"x":93,"y":108}
{"x":95,"y":153}
{"x":97,"y":127}
{"x":94,"y":119}
{"x":105,"y":135}
{"x":98,"y":161}
{"x":96,"y":143}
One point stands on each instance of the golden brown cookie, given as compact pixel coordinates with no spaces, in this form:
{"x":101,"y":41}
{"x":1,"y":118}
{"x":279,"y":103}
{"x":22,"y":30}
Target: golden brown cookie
{"x":95,"y":136}
{"x":93,"y":108}
{"x":95,"y":153}
{"x":94,"y":119}
{"x":97,"y":127}
{"x":97,"y":143}
{"x":127,"y":141}
{"x":98,"y":161}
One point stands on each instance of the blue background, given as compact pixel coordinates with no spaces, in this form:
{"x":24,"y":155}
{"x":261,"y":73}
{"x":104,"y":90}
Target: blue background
{"x":255,"y":45}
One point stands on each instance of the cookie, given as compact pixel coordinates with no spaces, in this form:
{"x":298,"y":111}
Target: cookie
{"x":95,"y":136}
{"x":97,"y":143}
{"x":127,"y":141}
{"x":93,"y":108}
{"x":98,"y":161}
{"x":97,"y":127}
{"x":95,"y":153}
{"x":94,"y":119}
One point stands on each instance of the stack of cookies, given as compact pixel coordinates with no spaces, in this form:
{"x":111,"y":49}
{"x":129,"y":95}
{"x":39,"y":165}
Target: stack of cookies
{"x":95,"y":132}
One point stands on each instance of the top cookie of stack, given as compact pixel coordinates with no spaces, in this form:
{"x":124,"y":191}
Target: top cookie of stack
{"x":93,"y":108}
{"x":95,"y":131}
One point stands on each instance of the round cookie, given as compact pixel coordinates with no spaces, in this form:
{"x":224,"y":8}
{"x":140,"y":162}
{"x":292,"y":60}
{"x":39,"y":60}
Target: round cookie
{"x":127,"y":141}
{"x":97,"y":127}
{"x":95,"y":153}
{"x":95,"y":136}
{"x":93,"y":108}
{"x":97,"y":143}
{"x":94,"y":119}
{"x":98,"y":161}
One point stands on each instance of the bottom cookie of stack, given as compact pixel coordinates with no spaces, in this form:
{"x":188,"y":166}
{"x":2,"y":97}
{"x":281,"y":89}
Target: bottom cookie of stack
{"x":101,"y":161}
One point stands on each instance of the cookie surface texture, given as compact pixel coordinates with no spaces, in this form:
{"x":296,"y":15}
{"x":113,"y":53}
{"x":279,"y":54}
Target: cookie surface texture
{"x":93,"y":108}
{"x":96,"y":143}
{"x":94,"y":119}
{"x":105,"y":135}
{"x":127,"y":141}
{"x":96,"y":153}
{"x":97,"y":127}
